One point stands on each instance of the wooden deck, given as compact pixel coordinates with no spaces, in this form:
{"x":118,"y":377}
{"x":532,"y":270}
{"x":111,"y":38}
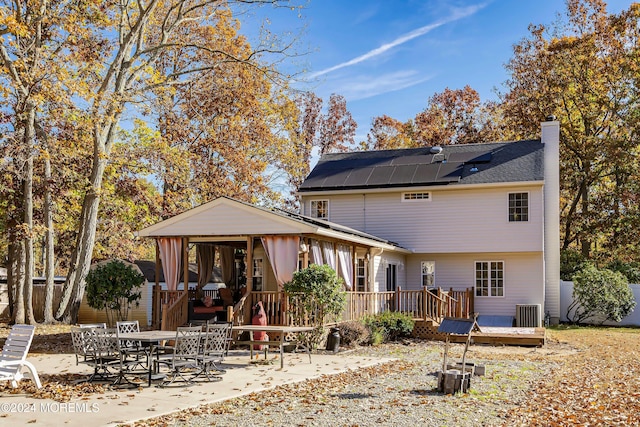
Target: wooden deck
{"x":509,"y":336}
{"x":487,"y":335}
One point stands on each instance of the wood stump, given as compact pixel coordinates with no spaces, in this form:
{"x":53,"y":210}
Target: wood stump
{"x":454,"y":381}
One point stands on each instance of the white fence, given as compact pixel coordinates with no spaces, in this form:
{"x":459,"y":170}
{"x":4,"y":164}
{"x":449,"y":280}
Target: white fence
{"x":566,"y":298}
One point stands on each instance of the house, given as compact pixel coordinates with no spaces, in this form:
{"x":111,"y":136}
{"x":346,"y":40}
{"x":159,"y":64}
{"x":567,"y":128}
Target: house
{"x":481,"y":218}
{"x":479,"y":215}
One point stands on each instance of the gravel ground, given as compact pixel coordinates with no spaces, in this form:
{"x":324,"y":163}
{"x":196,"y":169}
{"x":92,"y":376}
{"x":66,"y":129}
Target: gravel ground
{"x":401,"y":393}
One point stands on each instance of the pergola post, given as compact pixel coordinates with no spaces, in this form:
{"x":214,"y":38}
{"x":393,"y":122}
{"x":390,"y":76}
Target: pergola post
{"x":155,"y":299}
{"x":185,"y":264}
{"x":249,"y":271}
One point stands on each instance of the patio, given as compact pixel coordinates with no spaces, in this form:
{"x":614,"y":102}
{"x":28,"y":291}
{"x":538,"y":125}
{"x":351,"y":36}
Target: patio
{"x":127,"y":405}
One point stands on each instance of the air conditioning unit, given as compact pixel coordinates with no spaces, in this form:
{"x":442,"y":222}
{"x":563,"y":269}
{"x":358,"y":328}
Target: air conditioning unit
{"x":528,"y":315}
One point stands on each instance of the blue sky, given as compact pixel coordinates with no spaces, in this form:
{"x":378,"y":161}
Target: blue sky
{"x":389,"y":56}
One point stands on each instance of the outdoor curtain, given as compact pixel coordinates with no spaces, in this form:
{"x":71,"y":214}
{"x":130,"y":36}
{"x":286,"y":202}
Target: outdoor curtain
{"x":316,"y":252}
{"x":170,"y":256}
{"x":226,"y":263}
{"x":205,"y":254}
{"x":282,"y":252}
{"x":329,"y":255}
{"x":346,"y":265}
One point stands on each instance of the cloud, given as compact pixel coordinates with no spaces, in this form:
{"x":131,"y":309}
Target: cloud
{"x":456,"y":15}
{"x":367,"y":86}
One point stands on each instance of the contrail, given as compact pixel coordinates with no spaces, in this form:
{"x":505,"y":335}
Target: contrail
{"x":459,"y":14}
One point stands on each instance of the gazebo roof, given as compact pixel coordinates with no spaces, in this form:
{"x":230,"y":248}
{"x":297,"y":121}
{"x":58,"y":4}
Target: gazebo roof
{"x":229,"y":219}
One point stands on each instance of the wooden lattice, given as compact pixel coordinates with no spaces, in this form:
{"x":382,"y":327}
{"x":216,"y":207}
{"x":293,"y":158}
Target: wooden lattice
{"x":428,"y":331}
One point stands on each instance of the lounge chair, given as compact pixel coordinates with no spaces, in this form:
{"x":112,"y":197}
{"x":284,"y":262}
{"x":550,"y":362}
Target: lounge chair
{"x":14,"y":355}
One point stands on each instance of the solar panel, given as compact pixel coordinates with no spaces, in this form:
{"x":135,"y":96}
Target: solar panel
{"x":358,"y":177}
{"x":449,"y":172}
{"x":337,"y":179}
{"x":425,"y":174}
{"x":380,"y":175}
{"x":411,"y":160}
{"x":403,"y":174}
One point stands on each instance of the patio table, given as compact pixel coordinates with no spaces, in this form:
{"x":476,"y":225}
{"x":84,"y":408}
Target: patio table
{"x":283,"y":330}
{"x":153,"y":338}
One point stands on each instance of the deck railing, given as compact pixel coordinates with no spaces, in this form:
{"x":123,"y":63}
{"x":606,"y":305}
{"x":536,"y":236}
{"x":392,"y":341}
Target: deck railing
{"x":175,"y":313}
{"x":162,"y":299}
{"x":424,"y":304}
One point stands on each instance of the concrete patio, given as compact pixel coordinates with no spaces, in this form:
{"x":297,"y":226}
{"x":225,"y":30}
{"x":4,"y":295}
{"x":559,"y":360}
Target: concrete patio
{"x":128,"y":405}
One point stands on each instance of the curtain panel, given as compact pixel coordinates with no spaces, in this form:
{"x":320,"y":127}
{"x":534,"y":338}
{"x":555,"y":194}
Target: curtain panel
{"x":346,"y":265}
{"x":171,"y":256}
{"x":282,"y":252}
{"x":329,"y":255}
{"x":205,"y":255}
{"x":316,"y":252}
{"x":226,"y":263}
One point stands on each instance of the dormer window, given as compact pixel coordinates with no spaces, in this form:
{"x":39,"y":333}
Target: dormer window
{"x":320,"y":209}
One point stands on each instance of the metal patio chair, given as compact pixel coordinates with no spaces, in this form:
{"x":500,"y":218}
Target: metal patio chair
{"x":96,"y":347}
{"x":182,"y":357}
{"x":135,"y":354}
{"x":215,"y":345}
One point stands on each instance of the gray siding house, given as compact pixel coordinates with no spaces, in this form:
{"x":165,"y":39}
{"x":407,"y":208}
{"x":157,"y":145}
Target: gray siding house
{"x":484,"y":216}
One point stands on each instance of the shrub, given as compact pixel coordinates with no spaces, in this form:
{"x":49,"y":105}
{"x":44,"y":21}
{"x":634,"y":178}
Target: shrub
{"x":601,"y":294}
{"x":391,"y":324}
{"x":354,"y":333}
{"x":571,"y":261}
{"x":631,"y":270}
{"x":114,"y":287}
{"x":316,"y":296}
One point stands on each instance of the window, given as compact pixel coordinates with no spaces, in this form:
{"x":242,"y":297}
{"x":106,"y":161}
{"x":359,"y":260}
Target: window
{"x":360,"y":275}
{"x":320,"y":209}
{"x":489,"y":278}
{"x":415,"y":197}
{"x":257,"y":274}
{"x":518,"y":207}
{"x":428,"y":273}
{"x":392,"y":277}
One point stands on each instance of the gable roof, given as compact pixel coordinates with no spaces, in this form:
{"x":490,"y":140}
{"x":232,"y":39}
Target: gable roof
{"x":498,"y":162}
{"x":225,"y":218}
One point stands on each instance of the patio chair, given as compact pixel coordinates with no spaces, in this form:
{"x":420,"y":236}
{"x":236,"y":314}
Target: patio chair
{"x":183,"y":356}
{"x":135,"y":354}
{"x":98,"y":348}
{"x":14,"y":355}
{"x":215,"y":344}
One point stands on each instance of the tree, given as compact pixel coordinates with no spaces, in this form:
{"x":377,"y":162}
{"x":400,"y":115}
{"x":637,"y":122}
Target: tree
{"x":454,"y":116}
{"x":138,"y":37}
{"x":389,"y":133}
{"x":316,"y":295}
{"x":114,"y":287}
{"x":584,"y":70}
{"x":337,"y":128}
{"x":600,"y":295}
{"x":333,"y":131}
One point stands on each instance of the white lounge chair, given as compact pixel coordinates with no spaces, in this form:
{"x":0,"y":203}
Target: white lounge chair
{"x":14,"y":355}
